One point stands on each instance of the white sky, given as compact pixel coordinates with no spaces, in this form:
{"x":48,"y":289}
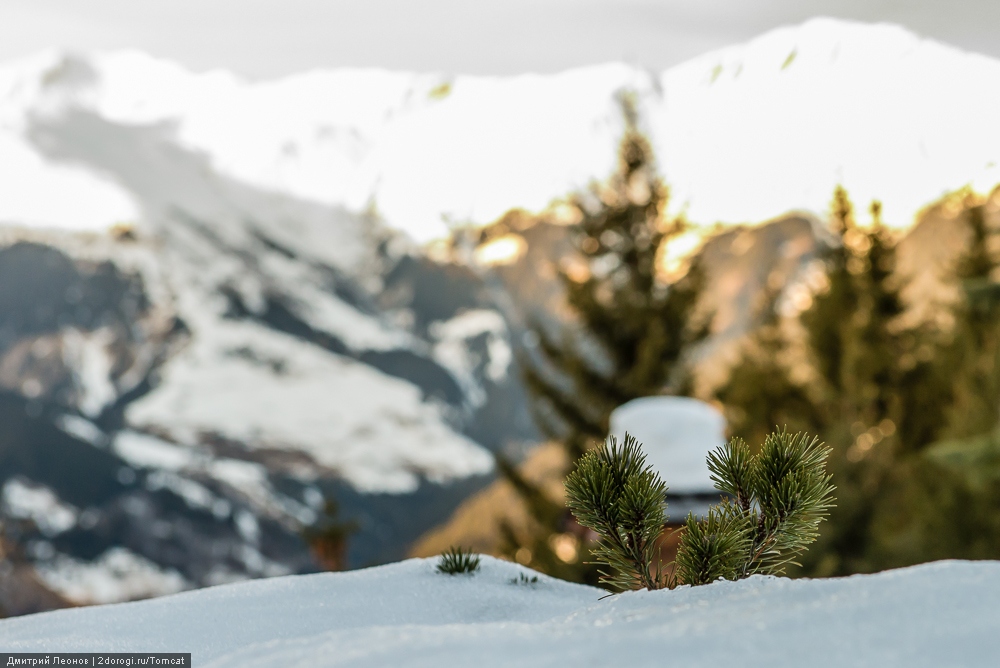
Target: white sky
{"x":266,"y":38}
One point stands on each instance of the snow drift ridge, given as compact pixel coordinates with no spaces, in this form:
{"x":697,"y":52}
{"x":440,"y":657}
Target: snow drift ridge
{"x":406,"y":614}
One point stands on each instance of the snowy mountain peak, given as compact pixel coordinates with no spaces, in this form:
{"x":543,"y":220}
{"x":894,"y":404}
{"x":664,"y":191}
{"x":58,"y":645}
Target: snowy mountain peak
{"x":750,"y":131}
{"x":819,"y":42}
{"x":743,"y":134}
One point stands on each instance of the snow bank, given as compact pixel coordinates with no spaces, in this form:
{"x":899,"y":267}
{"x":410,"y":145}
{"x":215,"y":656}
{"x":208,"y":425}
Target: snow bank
{"x":406,"y":614}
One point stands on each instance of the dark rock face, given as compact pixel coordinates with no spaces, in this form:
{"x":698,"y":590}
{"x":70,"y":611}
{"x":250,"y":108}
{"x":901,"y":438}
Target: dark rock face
{"x":42,"y":291}
{"x":431,"y":292}
{"x":123,"y":507}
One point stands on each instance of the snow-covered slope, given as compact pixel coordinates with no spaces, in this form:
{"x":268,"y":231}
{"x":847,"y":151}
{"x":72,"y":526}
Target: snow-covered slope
{"x":179,"y":401}
{"x":743,"y":134}
{"x":218,"y":368}
{"x":406,"y":614}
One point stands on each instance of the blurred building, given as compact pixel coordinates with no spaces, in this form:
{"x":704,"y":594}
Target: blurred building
{"x":676,"y":433}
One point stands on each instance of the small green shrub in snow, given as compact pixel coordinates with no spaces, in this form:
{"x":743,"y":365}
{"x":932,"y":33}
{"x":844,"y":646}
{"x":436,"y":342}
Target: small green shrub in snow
{"x":774,"y":502}
{"x":456,"y":561}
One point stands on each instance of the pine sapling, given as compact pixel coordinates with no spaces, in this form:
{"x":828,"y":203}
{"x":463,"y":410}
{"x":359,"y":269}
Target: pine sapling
{"x":773,"y":504}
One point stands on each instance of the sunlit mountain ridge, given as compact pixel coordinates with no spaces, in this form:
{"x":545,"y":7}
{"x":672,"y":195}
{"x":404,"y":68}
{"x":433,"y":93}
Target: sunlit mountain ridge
{"x":742,"y":134}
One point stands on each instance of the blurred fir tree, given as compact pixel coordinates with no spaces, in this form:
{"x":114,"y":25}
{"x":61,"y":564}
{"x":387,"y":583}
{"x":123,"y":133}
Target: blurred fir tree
{"x":631,"y":335}
{"x":942,"y":501}
{"x":760,"y":393}
{"x":975,"y":351}
{"x":943,"y":505}
{"x":876,"y":389}
{"x":859,"y":350}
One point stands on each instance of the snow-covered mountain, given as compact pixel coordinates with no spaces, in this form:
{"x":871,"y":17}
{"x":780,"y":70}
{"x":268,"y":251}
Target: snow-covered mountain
{"x":406,"y":614}
{"x":178,"y":405}
{"x":218,"y":369}
{"x":743,"y":134}
{"x":260,"y":330}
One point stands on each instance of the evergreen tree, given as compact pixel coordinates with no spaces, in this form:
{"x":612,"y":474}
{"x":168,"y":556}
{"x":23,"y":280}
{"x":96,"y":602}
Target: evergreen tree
{"x":759,"y":390}
{"x":942,"y":499}
{"x":828,"y":321}
{"x":976,"y":343}
{"x":629,"y":338}
{"x":877,"y":393}
{"x":853,"y":338}
{"x":885,"y":393}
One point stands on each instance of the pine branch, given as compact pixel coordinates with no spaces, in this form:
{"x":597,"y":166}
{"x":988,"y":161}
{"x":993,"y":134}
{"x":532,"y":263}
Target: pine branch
{"x":615,"y":493}
{"x":782,"y":493}
{"x":714,"y":548}
{"x":732,"y":472}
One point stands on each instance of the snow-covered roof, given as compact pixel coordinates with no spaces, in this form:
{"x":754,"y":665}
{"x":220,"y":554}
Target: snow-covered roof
{"x":406,"y":614}
{"x":676,"y":434}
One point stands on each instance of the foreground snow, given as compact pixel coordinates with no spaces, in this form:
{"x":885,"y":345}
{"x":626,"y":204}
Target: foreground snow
{"x":940,"y":614}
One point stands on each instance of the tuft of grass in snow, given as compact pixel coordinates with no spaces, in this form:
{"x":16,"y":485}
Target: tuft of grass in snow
{"x":523,"y":579}
{"x":456,"y":561}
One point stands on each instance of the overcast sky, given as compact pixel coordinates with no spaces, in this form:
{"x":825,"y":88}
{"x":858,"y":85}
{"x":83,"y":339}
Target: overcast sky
{"x":266,"y":38}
